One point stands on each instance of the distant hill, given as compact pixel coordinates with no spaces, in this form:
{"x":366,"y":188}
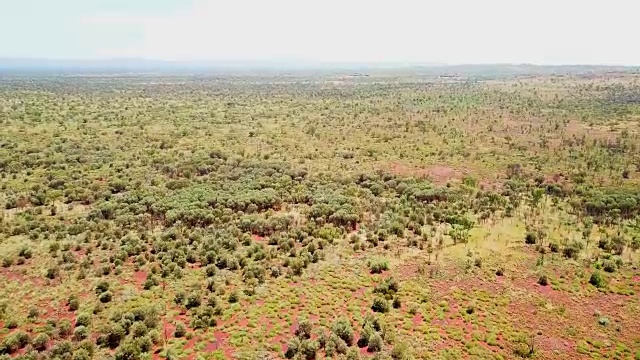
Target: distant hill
{"x":66,"y":66}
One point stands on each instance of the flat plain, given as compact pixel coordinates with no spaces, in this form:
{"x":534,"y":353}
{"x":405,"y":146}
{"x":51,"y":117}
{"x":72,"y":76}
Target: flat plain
{"x":320,"y":216}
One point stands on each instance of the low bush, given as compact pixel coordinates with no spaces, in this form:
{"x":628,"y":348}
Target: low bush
{"x":597,"y":280}
{"x":40,"y":341}
{"x":531,"y":238}
{"x":380,"y":305}
{"x":342,"y":328}
{"x":377,"y":266}
{"x":543,"y":280}
{"x":375,"y":343}
{"x":180,"y":330}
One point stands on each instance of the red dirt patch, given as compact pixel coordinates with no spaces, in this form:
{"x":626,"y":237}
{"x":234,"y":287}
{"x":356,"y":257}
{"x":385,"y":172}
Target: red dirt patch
{"x":191,"y":343}
{"x":12,"y":275}
{"x":258,"y":238}
{"x":140,"y":277}
{"x":417,"y":320}
{"x":280,"y":340}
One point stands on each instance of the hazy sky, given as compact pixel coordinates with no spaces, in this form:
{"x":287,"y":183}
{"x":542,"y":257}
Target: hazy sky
{"x":444,"y":31}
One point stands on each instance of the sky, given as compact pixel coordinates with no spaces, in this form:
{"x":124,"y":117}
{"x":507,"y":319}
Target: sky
{"x":398,"y":31}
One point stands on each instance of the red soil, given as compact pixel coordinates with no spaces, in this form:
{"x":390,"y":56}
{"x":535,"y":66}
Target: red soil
{"x":191,"y":343}
{"x":258,"y":238}
{"x":417,"y":320}
{"x":139,"y":277}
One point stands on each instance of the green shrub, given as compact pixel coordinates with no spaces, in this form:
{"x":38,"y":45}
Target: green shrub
{"x":83,"y":320}
{"x":193,"y":301}
{"x":380,"y":304}
{"x":543,"y":280}
{"x":396,"y":303}
{"x":388,"y":287}
{"x":375,"y":343}
{"x":597,"y":280}
{"x":342,"y":328}
{"x":308,"y":349}
{"x":150,"y":282}
{"x":352,"y":354}
{"x":400,"y":352}
{"x":52,"y":273}
{"x":25,"y":252}
{"x":7,"y":262}
{"x":86,"y":345}
{"x":179,"y":298}
{"x":377,"y":266}
{"x":81,"y":354}
{"x":234,"y":297}
{"x":105,"y":297}
{"x":112,"y":336}
{"x":80,"y":333}
{"x":101,"y":287}
{"x":180,"y":330}
{"x":138,"y":329}
{"x":40,"y":341}
{"x":292,"y":348}
{"x":335,"y":345}
{"x":73,"y":303}
{"x":64,"y":328}
{"x":604,"y":321}
{"x":33,"y":313}
{"x":275,"y":271}
{"x":531,"y":238}
{"x":609,"y":266}
{"x":304,"y":329}
{"x":11,"y":324}
{"x":572,"y":250}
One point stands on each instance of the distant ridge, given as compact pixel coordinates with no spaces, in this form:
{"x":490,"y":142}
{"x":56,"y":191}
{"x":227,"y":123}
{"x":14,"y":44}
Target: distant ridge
{"x":29,"y":65}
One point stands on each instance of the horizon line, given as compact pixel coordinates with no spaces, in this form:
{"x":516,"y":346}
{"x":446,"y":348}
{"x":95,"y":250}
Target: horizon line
{"x":307,"y":62}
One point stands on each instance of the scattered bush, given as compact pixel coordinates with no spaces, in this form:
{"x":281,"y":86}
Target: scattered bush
{"x":543,"y":280}
{"x":40,"y":341}
{"x":234,"y":297}
{"x":80,"y":333}
{"x":292,"y":348}
{"x":396,"y":303}
{"x":105,"y":297}
{"x":604,"y":321}
{"x":609,"y":266}
{"x":342,"y":328}
{"x":377,"y":266}
{"x":101,"y":287}
{"x":597,"y":280}
{"x":388,"y":287}
{"x":531,"y":238}
{"x":83,"y":320}
{"x":180,"y":330}
{"x":400,"y":352}
{"x":375,"y":343}
{"x":73,"y":303}
{"x":304,"y":329}
{"x":193,"y":301}
{"x":308,"y":349}
{"x":380,"y":304}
